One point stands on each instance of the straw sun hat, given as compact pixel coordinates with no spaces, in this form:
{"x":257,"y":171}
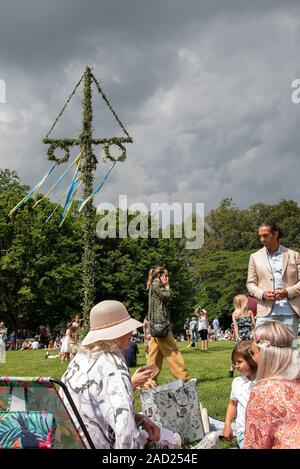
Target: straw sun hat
{"x":109,"y":320}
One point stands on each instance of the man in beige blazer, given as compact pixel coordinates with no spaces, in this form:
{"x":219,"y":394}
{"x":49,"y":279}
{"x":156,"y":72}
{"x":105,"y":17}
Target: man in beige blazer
{"x":274,"y":279}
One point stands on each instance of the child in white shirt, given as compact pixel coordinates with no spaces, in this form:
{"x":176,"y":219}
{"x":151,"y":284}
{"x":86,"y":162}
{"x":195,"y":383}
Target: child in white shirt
{"x":240,"y":390}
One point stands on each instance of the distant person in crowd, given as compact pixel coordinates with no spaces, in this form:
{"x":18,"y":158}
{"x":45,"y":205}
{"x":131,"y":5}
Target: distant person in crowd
{"x":101,"y":386}
{"x":240,"y":390}
{"x":211,"y":333}
{"x":203,"y":327}
{"x":12,"y":340}
{"x":19,"y":339}
{"x":65,"y":349}
{"x":159,"y":313}
{"x":3,"y":331}
{"x":130,"y":354}
{"x":193,"y":328}
{"x":242,"y":318}
{"x":35,"y":345}
{"x":3,"y":337}
{"x":216,"y":326}
{"x":77,"y":325}
{"x":73,"y":340}
{"x":274,"y":280}
{"x":186,"y":328}
{"x":44,"y":337}
{"x":51,"y":344}
{"x":26,"y":345}
{"x":273,"y":411}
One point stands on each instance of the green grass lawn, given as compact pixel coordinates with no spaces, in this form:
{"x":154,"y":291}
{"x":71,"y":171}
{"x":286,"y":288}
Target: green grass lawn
{"x":209,"y":367}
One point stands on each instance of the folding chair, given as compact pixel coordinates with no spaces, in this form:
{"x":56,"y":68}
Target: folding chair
{"x":33,"y":415}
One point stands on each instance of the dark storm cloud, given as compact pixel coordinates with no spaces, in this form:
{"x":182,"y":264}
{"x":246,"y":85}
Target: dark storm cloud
{"x":203,"y":87}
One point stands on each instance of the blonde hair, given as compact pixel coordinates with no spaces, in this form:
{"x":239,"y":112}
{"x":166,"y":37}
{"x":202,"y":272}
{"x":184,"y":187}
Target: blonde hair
{"x":102,"y":346}
{"x":240,"y":303}
{"x":277,"y":358}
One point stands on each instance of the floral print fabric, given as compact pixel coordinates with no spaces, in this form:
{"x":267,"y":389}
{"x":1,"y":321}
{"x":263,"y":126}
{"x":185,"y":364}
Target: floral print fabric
{"x":273,"y":415}
{"x":102,"y":392}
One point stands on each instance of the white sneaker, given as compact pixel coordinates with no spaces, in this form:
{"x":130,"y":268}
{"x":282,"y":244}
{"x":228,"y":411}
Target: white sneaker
{"x":209,"y":441}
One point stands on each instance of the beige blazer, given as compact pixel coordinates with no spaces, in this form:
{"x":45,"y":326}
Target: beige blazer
{"x":260,"y":278}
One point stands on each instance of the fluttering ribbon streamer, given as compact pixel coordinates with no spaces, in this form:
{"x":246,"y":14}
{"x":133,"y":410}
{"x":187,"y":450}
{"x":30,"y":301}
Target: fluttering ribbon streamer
{"x":30,"y":194}
{"x":78,"y":158}
{"x":69,"y":194}
{"x":85,"y":201}
{"x":71,"y":199}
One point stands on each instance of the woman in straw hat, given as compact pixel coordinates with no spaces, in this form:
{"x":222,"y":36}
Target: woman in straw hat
{"x":100,"y":384}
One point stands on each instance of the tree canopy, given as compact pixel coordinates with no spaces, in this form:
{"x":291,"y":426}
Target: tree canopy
{"x":40,"y":263}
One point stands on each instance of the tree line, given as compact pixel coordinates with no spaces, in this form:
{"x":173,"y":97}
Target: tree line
{"x":40,"y":263}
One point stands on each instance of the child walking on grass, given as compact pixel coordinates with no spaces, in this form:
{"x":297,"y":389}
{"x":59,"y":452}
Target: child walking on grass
{"x":240,"y":390}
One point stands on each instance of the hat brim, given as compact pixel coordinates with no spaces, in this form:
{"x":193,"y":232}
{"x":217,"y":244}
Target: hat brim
{"x":111,"y":333}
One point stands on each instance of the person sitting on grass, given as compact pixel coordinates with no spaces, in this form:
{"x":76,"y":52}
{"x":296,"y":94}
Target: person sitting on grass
{"x":100,"y":384}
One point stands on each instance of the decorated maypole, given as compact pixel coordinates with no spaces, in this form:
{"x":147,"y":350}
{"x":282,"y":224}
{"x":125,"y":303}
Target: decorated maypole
{"x":83,"y":180}
{"x":88,"y":165}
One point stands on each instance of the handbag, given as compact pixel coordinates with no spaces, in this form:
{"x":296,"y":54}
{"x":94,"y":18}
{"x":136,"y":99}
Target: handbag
{"x":159,"y":330}
{"x":175,"y":406}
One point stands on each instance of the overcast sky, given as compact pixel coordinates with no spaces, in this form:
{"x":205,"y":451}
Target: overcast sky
{"x":203,"y":87}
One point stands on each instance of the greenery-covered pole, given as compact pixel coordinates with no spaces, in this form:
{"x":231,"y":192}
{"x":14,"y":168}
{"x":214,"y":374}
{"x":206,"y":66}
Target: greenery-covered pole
{"x":87,"y":168}
{"x":85,"y":140}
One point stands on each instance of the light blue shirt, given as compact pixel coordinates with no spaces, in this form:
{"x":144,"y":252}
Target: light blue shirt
{"x":280,"y":307}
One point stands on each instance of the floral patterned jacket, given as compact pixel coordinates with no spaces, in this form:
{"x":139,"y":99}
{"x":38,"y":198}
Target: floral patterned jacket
{"x":159,"y":303}
{"x":273,"y":415}
{"x":102,"y":391}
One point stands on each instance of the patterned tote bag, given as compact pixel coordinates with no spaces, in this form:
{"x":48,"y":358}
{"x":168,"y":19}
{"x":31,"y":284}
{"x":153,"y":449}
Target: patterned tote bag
{"x":175,"y":406}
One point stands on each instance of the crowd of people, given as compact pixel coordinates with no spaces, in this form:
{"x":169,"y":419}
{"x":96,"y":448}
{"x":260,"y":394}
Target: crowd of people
{"x":264,"y":399}
{"x":66,"y":341}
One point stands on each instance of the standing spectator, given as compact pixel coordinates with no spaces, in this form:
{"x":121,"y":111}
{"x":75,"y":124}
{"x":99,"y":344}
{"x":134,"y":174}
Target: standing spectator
{"x":193,"y":328}
{"x":73,"y":341}
{"x":274,"y":280}
{"x":216,"y":326}
{"x":12,"y":340}
{"x":44,"y":337}
{"x":3,"y":331}
{"x":159,"y":313}
{"x":203,"y":327}
{"x":19,"y":339}
{"x":3,"y":336}
{"x":65,"y":350}
{"x":186,"y":328}
{"x":273,"y":411}
{"x":77,"y":324}
{"x":242,"y":318}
